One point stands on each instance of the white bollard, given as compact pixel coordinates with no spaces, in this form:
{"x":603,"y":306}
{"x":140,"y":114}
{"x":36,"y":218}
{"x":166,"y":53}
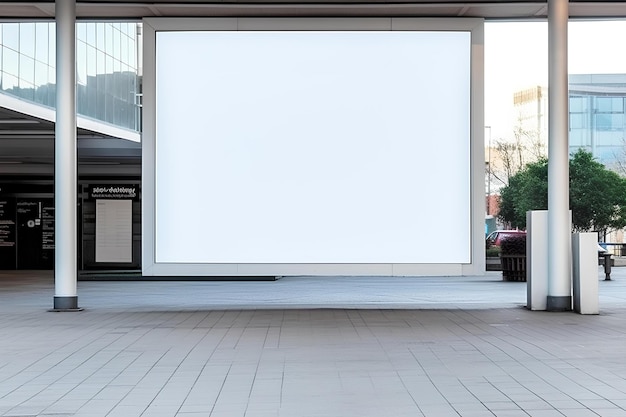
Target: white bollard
{"x":585,"y":271}
{"x":537,"y":259}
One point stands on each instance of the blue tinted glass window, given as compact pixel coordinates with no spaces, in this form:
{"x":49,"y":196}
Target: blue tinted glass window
{"x":577,"y":104}
{"x":91,"y":33}
{"x":11,"y":35}
{"x":100,"y":36}
{"x":91,"y":61}
{"x":124,"y":55}
{"x":52,"y":75}
{"x":41,"y":42}
{"x":100,"y":62}
{"x":9,"y":82}
{"x":610,"y":121}
{"x":52,"y":46}
{"x":131,"y":56}
{"x":81,"y":63}
{"x":610,"y":104}
{"x":81,"y":31}
{"x":26,"y":90}
{"x":10,"y":61}
{"x":576,"y":137}
{"x":41,"y":74}
{"x":27,"y":69}
{"x":27,"y":39}
{"x":575,"y":120}
{"x":116,"y":43}
{"x":108,"y":38}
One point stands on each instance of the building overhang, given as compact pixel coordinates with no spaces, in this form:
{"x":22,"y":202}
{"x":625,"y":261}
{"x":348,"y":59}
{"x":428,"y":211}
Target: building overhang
{"x":137,"y":9}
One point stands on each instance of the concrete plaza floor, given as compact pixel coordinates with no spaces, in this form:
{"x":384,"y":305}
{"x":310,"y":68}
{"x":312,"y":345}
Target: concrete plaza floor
{"x":305,"y":347}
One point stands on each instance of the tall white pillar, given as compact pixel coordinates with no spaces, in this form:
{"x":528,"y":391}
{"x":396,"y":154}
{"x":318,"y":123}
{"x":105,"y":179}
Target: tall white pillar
{"x":65,"y":160}
{"x":559,"y":265}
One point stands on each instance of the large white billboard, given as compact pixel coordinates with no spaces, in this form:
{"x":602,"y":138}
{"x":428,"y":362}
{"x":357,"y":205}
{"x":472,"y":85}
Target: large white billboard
{"x":290,"y":147}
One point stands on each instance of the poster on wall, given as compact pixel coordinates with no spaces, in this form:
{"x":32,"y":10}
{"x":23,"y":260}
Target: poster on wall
{"x":7,"y":233}
{"x":114,"y":230}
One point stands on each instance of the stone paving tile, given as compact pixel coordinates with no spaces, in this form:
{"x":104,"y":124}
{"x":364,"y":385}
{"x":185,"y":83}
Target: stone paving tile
{"x":434,"y":347}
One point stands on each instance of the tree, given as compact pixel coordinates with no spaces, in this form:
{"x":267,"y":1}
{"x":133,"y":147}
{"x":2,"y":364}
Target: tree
{"x":597,"y":195}
{"x":511,"y":155}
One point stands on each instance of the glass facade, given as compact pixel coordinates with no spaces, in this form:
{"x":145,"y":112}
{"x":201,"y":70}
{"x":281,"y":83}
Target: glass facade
{"x":596,"y":115}
{"x":107,"y":80}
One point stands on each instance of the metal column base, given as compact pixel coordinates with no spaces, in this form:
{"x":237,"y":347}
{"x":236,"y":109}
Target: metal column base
{"x":66,"y":304}
{"x":563,"y":303}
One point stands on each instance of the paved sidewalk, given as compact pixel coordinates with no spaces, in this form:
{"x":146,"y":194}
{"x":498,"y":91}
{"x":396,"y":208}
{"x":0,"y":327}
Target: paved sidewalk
{"x":343,"y":346}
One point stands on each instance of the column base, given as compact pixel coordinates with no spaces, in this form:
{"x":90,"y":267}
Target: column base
{"x":66,"y":304}
{"x":563,"y":303}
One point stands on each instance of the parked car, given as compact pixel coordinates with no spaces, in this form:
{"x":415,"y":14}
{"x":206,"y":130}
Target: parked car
{"x":496,"y":237}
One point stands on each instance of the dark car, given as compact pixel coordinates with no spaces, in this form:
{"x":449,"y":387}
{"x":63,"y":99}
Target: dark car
{"x":496,"y":237}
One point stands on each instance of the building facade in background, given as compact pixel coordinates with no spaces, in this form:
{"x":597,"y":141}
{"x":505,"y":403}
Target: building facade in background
{"x":107,"y":68}
{"x":597,"y":121}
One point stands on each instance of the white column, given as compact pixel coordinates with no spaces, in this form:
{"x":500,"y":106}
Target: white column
{"x":559,"y":266}
{"x":65,"y":160}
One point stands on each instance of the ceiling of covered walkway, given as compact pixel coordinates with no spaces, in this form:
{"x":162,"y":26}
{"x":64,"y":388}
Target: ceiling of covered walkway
{"x":495,"y":9}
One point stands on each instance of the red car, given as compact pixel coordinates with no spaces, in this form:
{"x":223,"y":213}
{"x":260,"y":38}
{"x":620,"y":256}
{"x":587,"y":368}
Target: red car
{"x":496,"y":237}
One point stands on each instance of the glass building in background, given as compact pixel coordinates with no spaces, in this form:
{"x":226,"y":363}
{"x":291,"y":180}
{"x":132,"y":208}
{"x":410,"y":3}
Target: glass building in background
{"x":107,"y":68}
{"x":597,"y":116}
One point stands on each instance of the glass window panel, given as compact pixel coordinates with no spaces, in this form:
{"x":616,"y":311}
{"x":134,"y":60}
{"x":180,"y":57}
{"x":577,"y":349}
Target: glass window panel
{"x":613,"y":138}
{"x":11,"y":35}
{"x":124,"y":55}
{"x":52,"y":46}
{"x":116,"y":44}
{"x":41,"y":42}
{"x":602,"y":121}
{"x":617,"y":104}
{"x":108,"y":38}
{"x":109,"y":64}
{"x":27,"y":90}
{"x":117,"y":65}
{"x":27,"y":69}
{"x":52,"y":75}
{"x":10,"y":61}
{"x":609,"y":121}
{"x":617,"y":121}
{"x":41,"y":74}
{"x":91,"y":33}
{"x":9,"y":82}
{"x":575,"y":121}
{"x":81,"y":100}
{"x":576,"y":104}
{"x":100,"y":66}
{"x":577,"y":137}
{"x":604,"y":104}
{"x":81,"y":63}
{"x":132,"y":55}
{"x":27,"y":39}
{"x":100,"y":36}
{"x":91,"y":61}
{"x":81,"y":31}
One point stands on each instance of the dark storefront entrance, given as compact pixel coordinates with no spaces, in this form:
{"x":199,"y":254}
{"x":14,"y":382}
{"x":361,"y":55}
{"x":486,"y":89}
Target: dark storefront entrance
{"x":27,"y":226}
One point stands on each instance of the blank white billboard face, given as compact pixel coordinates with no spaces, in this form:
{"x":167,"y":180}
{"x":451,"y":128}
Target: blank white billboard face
{"x":312,"y":147}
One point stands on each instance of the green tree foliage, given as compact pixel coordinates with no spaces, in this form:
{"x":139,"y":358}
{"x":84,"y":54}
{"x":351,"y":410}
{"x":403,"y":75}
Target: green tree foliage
{"x":527,"y":190}
{"x":597,"y":195}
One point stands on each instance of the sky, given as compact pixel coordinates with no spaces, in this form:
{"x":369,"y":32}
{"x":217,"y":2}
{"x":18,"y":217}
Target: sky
{"x":516,"y":58}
